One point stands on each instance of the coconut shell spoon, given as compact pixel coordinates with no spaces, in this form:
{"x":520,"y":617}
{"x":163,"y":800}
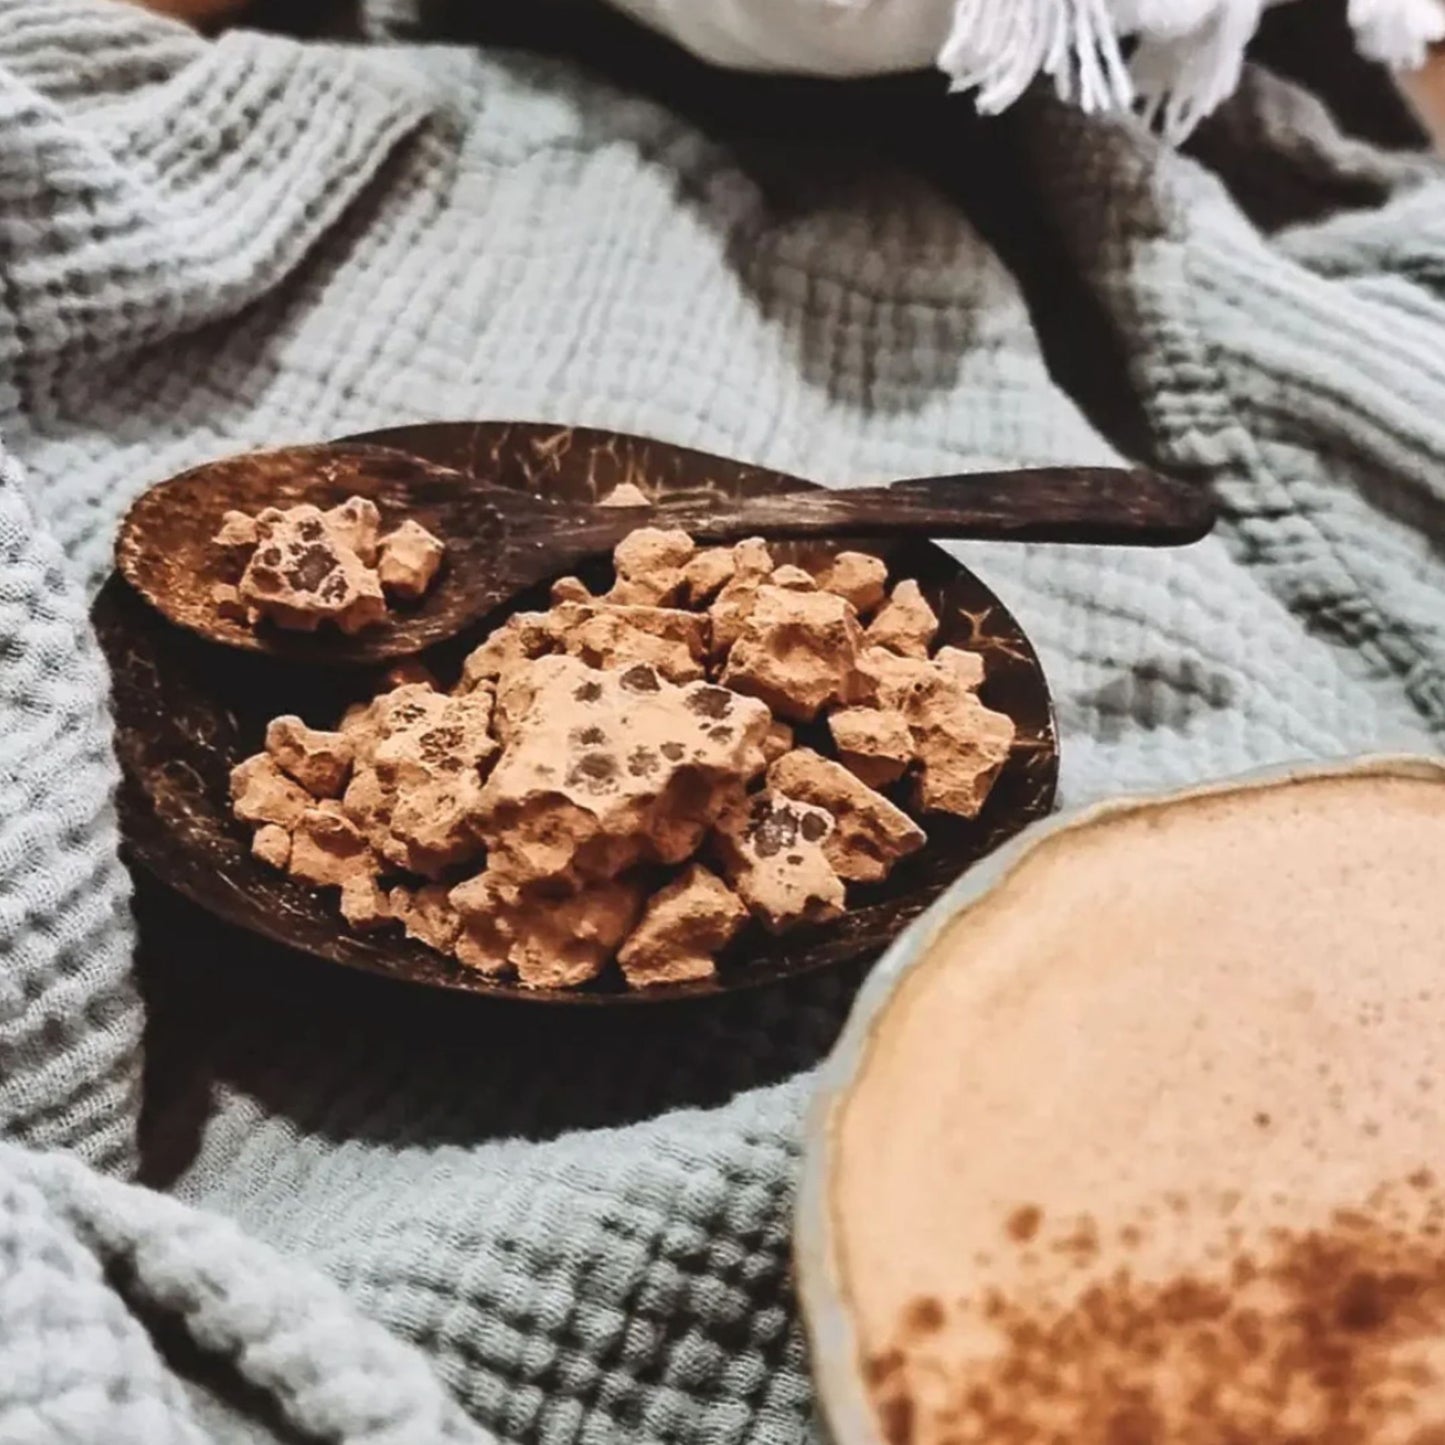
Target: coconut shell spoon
{"x":501,"y":541}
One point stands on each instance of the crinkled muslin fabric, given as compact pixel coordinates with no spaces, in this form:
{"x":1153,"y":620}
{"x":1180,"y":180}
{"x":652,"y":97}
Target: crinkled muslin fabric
{"x":241,"y":1200}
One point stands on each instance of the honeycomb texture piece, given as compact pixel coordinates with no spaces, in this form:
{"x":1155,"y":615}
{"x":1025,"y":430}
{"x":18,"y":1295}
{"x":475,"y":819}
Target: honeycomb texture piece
{"x":774,"y":851}
{"x":605,"y":770}
{"x":798,"y":652}
{"x":869,"y":833}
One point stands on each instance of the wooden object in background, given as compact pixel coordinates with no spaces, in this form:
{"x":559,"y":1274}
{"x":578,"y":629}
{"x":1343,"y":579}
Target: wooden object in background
{"x":1425,"y":90}
{"x":198,"y":12}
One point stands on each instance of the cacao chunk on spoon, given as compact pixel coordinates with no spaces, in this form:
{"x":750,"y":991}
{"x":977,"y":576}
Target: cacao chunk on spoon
{"x":500,"y":541}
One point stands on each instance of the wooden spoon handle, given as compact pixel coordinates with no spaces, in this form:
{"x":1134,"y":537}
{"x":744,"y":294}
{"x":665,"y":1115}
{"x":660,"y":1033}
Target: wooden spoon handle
{"x":1102,"y":505}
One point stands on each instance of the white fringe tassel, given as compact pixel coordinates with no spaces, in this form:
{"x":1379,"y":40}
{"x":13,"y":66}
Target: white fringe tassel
{"x":1183,"y":78}
{"x":1398,"y":32}
{"x":1187,"y":60}
{"x":997,"y":47}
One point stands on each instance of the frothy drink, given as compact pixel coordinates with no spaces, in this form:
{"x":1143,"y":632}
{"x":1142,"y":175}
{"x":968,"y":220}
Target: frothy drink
{"x":1151,"y":1146}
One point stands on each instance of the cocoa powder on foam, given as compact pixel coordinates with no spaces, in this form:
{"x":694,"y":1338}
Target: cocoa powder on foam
{"x":1143,"y":1150}
{"x":1306,"y":1335}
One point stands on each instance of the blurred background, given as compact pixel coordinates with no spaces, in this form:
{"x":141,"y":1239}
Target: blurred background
{"x":1307,"y":40}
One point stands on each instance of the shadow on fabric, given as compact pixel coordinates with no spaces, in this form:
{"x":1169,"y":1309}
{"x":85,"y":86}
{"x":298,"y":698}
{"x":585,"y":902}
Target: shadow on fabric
{"x":325,"y":1047}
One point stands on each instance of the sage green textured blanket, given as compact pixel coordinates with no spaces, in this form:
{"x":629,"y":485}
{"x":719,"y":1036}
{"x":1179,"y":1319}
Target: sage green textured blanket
{"x":239,"y":1204}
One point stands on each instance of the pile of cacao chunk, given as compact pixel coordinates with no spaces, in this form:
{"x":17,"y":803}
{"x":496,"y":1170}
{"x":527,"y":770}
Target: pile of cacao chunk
{"x":616,"y":778}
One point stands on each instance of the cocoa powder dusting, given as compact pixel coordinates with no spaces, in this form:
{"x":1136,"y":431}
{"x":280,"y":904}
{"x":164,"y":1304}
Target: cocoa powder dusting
{"x":1330,"y":1335}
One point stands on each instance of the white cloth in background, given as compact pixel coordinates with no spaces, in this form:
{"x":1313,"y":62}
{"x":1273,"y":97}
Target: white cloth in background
{"x":1187,"y":59}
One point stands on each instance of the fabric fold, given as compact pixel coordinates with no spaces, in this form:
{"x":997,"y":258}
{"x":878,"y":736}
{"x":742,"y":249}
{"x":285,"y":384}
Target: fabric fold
{"x":70,"y":1015}
{"x":95,"y":1269}
{"x":178,"y":202}
{"x":1321,"y":429}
